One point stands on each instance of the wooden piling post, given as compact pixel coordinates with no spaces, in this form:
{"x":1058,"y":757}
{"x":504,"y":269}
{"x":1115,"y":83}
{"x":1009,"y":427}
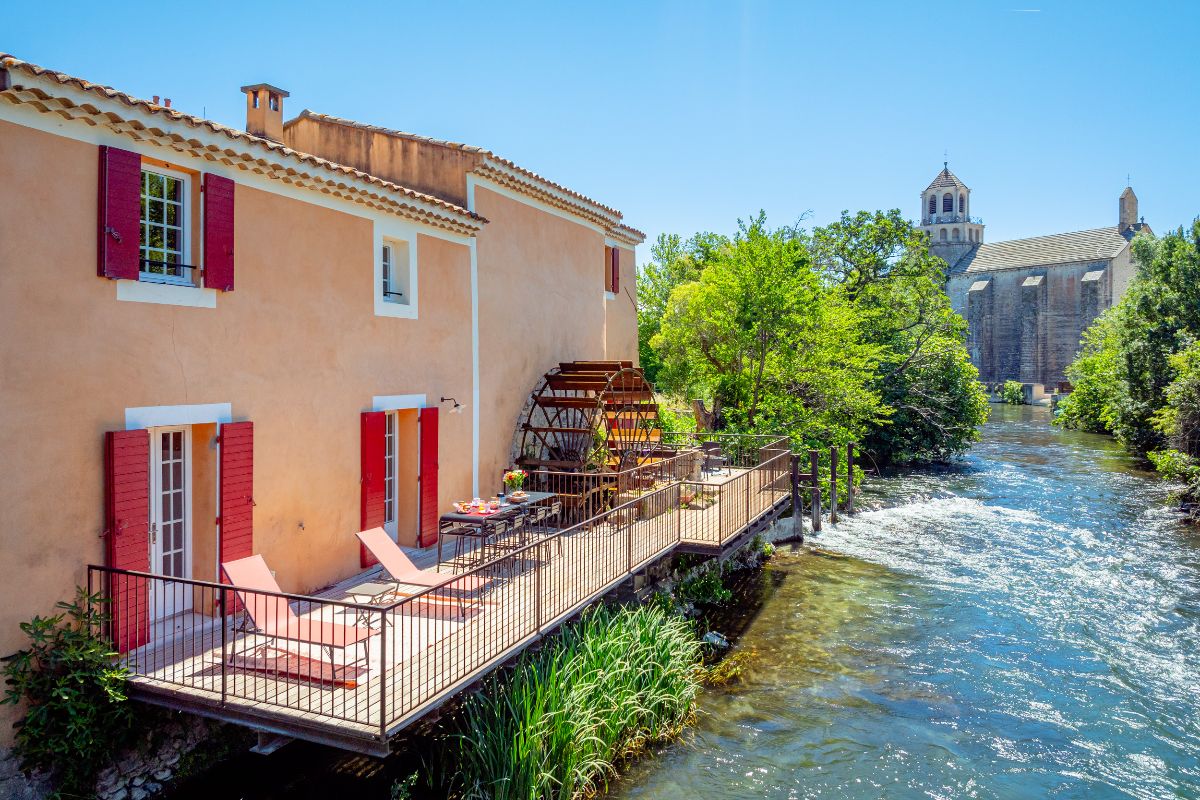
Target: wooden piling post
{"x":833,"y":465}
{"x":797,"y":508}
{"x":850,"y":478}
{"x":814,"y":458}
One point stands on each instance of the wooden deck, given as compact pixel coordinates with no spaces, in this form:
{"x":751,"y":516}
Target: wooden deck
{"x":428,"y":649}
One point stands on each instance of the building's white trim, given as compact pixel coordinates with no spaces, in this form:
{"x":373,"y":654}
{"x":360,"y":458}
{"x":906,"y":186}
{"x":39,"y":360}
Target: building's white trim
{"x":473,"y":247}
{"x":610,"y":295}
{"x":158,"y":416}
{"x":491,"y":186}
{"x":395,"y":231}
{"x":169,"y":294}
{"x":95,"y":134}
{"x":397,"y":402}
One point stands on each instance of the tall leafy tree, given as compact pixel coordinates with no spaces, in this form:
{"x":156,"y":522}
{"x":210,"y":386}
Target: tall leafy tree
{"x":758,"y":333}
{"x":883,"y":267}
{"x":1123,"y":372}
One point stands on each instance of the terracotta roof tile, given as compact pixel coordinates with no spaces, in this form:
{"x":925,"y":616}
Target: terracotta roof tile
{"x":11,"y":62}
{"x":529,"y":174}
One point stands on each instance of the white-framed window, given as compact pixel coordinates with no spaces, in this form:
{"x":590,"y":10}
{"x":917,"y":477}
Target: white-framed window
{"x":164,"y":227}
{"x":389,"y":472}
{"x":395,"y":271}
{"x":393,"y":266}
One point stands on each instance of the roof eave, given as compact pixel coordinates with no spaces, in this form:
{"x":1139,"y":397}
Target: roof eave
{"x":76,"y":99}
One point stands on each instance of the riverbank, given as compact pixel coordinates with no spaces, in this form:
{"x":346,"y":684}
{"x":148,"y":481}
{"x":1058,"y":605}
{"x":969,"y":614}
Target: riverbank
{"x":1025,"y":624}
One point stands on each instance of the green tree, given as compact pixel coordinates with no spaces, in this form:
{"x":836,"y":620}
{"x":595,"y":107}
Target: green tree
{"x":1094,"y":376}
{"x":673,"y":263}
{"x":883,"y":266}
{"x":1160,"y":316}
{"x":758,"y":332}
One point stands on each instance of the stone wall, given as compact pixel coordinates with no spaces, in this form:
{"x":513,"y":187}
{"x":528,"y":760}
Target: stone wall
{"x":1025,"y":324}
{"x":170,"y":748}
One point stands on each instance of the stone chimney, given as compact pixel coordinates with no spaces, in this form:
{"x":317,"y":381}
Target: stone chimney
{"x":264,"y":111}
{"x":1127,"y":211}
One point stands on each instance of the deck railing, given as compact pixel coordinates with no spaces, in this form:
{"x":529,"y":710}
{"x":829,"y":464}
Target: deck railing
{"x":351,"y":671}
{"x":587,"y":494}
{"x":680,"y":457}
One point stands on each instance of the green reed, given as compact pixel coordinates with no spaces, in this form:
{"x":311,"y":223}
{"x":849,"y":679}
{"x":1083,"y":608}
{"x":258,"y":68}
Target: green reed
{"x":555,"y":726}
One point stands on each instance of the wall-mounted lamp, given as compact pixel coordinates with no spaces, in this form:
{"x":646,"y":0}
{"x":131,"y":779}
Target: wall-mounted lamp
{"x":457,"y":408}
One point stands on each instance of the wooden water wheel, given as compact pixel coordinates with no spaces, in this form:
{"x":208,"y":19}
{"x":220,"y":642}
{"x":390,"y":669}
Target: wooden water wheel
{"x":590,"y":415}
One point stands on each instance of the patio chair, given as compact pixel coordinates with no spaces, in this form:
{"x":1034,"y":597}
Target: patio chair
{"x":272,"y":616}
{"x":714,"y":460}
{"x":402,"y":570}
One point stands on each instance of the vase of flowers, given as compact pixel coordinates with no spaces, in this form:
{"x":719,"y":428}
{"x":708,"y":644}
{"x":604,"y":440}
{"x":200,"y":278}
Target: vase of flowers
{"x":514,"y":479}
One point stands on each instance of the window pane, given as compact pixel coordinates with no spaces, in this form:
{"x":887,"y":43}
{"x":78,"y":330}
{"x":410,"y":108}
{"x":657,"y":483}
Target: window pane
{"x":154,"y":185}
{"x":177,"y":474}
{"x":173,"y":240}
{"x":172,"y":188}
{"x":154,"y":236}
{"x":177,"y":507}
{"x":173,"y":215}
{"x":155,"y":211}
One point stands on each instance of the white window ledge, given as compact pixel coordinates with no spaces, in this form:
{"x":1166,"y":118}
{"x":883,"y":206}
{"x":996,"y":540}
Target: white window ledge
{"x":166,"y":294}
{"x":610,"y":295}
{"x":387,"y":308}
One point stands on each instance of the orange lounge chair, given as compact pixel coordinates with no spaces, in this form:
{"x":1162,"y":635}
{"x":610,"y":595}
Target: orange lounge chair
{"x":273,"y":617}
{"x":402,"y":570}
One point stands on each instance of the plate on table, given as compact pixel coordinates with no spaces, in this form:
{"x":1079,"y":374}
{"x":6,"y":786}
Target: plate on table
{"x":520,"y":497}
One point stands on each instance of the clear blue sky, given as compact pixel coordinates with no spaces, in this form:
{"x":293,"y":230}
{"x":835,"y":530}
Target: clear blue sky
{"x":687,"y":115}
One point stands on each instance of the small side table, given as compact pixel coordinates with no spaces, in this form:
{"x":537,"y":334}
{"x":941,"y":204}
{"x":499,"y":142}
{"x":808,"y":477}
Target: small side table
{"x":372,"y":593}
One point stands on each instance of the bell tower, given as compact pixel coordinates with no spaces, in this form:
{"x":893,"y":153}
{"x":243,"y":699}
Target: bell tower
{"x":946,"y":217}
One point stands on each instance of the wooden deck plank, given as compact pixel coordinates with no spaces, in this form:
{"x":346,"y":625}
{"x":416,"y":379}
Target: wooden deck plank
{"x":428,"y":658}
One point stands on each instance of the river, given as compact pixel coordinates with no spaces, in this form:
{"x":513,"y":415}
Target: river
{"x":1023,"y":625}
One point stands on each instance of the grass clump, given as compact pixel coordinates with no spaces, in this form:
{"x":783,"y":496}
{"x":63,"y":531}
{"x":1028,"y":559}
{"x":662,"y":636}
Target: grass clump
{"x":554,"y":727}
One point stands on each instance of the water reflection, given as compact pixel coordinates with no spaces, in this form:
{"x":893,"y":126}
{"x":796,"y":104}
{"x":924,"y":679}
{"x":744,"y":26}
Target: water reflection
{"x":1025,"y":624}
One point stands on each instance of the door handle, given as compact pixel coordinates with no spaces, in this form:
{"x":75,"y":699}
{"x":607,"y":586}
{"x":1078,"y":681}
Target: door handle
{"x":153,"y":533}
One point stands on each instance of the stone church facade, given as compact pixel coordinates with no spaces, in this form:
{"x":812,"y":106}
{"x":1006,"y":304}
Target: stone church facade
{"x":1026,"y":301}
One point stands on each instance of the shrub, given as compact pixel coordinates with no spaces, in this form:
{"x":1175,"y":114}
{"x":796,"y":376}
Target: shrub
{"x":616,"y":680}
{"x":76,"y":709}
{"x":707,"y":586}
{"x":1013,"y":393}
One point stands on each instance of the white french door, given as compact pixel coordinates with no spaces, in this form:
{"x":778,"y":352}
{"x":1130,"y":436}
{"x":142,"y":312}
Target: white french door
{"x":390,"y":495}
{"x":170,"y":518}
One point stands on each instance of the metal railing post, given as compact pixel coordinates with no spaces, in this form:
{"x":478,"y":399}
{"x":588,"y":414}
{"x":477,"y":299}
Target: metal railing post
{"x":797,"y":509}
{"x":628,"y":515}
{"x":224,"y":645}
{"x":833,"y":465}
{"x":813,"y":462}
{"x":850,"y":478}
{"x":383,"y":670}
{"x":537,"y":590}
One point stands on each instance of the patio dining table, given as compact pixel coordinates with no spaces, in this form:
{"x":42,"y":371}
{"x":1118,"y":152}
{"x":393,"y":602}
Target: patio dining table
{"x":475,"y":522}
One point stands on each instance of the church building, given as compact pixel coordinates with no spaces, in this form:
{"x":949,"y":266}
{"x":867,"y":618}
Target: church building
{"x":1026,"y":301}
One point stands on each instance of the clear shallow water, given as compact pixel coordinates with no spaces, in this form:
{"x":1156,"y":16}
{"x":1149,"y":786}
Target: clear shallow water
{"x":1026,"y":625}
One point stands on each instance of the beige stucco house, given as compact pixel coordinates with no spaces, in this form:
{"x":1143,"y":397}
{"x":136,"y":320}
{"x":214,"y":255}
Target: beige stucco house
{"x":217,"y":342}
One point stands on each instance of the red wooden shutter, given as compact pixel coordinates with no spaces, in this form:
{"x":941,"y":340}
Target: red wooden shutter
{"x":127,"y":533}
{"x":218,"y":232}
{"x":120,"y":223}
{"x":616,"y":270}
{"x":374,"y":476}
{"x":236,"y":511}
{"x":428,"y":467}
